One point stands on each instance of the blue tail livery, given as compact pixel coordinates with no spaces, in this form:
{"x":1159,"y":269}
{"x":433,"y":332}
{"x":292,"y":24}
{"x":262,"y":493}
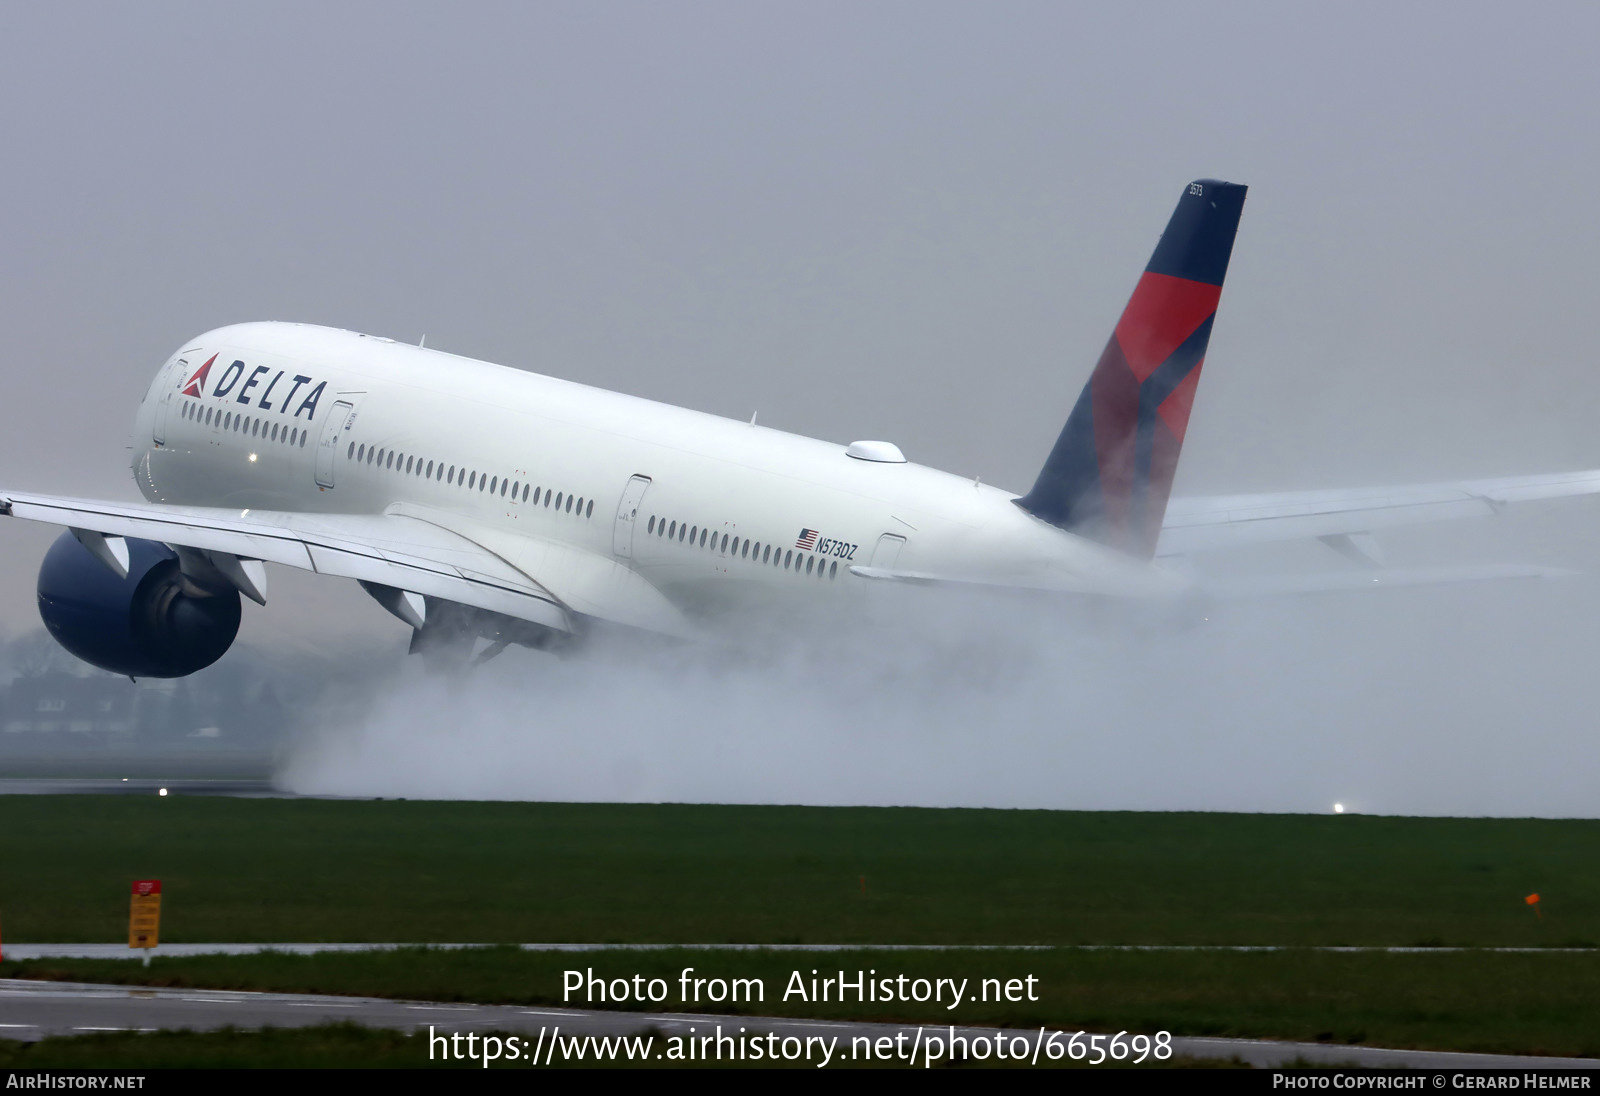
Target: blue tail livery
{"x":1111,"y":470}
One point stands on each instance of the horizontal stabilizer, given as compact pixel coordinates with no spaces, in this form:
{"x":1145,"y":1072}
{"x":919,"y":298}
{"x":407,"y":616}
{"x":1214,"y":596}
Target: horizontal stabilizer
{"x":1201,"y":524}
{"x":1345,"y":581}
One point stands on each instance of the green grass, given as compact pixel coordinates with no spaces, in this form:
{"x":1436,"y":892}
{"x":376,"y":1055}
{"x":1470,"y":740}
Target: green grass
{"x":1492,"y":1002}
{"x":315,"y":870}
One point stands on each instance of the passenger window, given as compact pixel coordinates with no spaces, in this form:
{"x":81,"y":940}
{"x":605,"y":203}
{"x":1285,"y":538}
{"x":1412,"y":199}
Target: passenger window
{"x":744,"y":553}
{"x":302,"y":439}
{"x":766,"y":554}
{"x":559,"y":497}
{"x":787,"y":556}
{"x":673,"y":531}
{"x":569,"y":504}
{"x":810,"y":562}
{"x":833,"y":569}
{"x":547,"y":497}
{"x":650,"y":526}
{"x":694,"y":531}
{"x":588,"y":511}
{"x":536,"y":491}
{"x":525,"y":493}
{"x":724,"y":542}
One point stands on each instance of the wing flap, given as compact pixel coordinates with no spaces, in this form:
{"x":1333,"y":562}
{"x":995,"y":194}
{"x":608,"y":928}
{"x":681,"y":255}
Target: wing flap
{"x":584,"y":581}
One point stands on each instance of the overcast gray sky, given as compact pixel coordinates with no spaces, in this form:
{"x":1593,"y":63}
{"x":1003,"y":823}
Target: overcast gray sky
{"x":914,"y":221}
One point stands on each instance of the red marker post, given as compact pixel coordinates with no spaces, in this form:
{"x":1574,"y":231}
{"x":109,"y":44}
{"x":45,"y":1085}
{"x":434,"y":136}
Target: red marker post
{"x":1533,"y":900}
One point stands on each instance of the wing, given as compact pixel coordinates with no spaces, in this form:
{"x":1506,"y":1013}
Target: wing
{"x":1224,"y":521}
{"x":415,"y":551}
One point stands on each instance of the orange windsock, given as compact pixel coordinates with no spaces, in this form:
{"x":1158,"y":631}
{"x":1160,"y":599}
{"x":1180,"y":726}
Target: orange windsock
{"x":1532,"y":899}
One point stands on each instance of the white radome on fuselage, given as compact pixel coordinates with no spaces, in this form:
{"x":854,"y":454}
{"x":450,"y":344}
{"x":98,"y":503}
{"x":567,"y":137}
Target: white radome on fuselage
{"x":754,"y":486}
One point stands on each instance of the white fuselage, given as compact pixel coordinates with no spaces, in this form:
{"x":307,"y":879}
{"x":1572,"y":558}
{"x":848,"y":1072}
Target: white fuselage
{"x":329,"y":421}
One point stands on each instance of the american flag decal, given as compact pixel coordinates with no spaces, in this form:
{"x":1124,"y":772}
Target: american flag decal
{"x":807,"y":541}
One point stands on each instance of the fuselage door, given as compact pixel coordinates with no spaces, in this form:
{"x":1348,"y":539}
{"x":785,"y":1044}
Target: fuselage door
{"x":340,"y":419}
{"x":628,"y":516}
{"x":169,"y":389}
{"x":887,"y":553}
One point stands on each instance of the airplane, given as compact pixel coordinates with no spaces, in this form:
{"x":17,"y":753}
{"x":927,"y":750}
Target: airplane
{"x":477,"y":502}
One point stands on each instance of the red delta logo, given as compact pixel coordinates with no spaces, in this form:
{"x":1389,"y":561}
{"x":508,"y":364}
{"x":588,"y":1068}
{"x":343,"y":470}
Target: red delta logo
{"x":196,"y":385}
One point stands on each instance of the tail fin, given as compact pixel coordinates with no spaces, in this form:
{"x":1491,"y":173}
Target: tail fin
{"x":1111,"y":470}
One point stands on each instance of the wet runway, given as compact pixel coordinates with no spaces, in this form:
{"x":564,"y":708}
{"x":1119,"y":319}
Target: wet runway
{"x":31,"y":1010}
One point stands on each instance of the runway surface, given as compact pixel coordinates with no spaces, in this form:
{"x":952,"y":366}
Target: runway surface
{"x":31,"y":1010}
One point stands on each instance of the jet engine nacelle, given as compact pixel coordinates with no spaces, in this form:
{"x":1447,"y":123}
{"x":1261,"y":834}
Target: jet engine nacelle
{"x":153,"y":622}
